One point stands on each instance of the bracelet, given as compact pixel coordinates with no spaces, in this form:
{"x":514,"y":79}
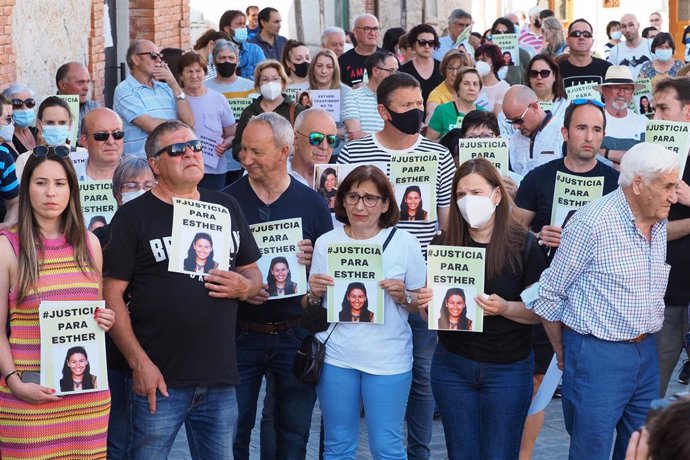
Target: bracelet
{"x":312,"y":301}
{"x":14,"y":372}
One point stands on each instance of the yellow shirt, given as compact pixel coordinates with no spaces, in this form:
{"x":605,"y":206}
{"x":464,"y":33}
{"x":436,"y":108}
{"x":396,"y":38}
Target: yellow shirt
{"x":440,"y":95}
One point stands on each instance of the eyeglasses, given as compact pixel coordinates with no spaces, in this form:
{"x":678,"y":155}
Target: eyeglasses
{"x":263,"y":81}
{"x":104,"y":135}
{"x":178,"y":149}
{"x":583,"y":101}
{"x":29,"y":103}
{"x":42,"y":151}
{"x":484,"y":135}
{"x":426,"y":43}
{"x":521,"y":119}
{"x":316,"y":138}
{"x":580,"y":33}
{"x":152,"y":54}
{"x":369,"y":29}
{"x":134,"y":186}
{"x":390,"y":71}
{"x":619,"y":88}
{"x":453,"y":69}
{"x":370,"y":201}
{"x":539,"y":73}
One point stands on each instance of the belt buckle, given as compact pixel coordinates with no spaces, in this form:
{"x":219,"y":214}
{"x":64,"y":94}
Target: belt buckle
{"x":274,"y":328}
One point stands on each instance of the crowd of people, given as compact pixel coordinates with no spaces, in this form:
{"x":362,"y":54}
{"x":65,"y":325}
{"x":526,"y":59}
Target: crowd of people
{"x":236,"y":124}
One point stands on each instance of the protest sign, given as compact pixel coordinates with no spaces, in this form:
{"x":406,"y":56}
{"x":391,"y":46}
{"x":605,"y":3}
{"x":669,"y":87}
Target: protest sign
{"x":327,"y":177}
{"x":277,"y":243}
{"x":583,"y":91}
{"x":238,"y":104}
{"x":413,"y":176}
{"x":98,"y":203}
{"x":328,"y":100}
{"x":209,"y":140}
{"x":494,"y":150}
{"x":672,"y":135}
{"x":571,"y":193}
{"x":356,"y":295}
{"x":456,"y":276}
{"x":200,"y":239}
{"x":642,"y":98}
{"x":72,"y":347}
{"x":73,"y":102}
{"x":509,"y":45}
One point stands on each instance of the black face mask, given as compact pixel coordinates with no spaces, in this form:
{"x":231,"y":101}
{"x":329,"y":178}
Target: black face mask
{"x":409,"y":122}
{"x":537,"y":23}
{"x":226,"y":69}
{"x":301,"y":69}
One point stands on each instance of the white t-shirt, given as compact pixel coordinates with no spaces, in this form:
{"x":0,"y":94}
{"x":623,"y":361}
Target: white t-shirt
{"x":494,"y":94}
{"x":548,"y":145}
{"x":379,"y":349}
{"x":623,"y":133}
{"x":622,"y":54}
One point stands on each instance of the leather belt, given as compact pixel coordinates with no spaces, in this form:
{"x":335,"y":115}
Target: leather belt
{"x":638,"y":339}
{"x":269,"y":328}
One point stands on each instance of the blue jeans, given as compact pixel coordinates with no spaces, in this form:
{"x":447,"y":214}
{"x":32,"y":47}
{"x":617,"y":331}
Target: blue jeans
{"x":384,"y":396}
{"x":208,"y":413}
{"x":420,"y":405}
{"x":606,"y":386}
{"x":120,"y":421}
{"x":294,"y":401}
{"x":483,"y":405}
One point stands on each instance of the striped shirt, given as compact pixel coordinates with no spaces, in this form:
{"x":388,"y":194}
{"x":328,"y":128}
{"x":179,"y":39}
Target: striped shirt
{"x":369,"y":150}
{"x":606,"y":279}
{"x":9,"y":185}
{"x":360,"y":104}
{"x":533,"y":43}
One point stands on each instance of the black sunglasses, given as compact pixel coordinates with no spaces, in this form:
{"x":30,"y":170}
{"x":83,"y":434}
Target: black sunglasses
{"x":42,"y":151}
{"x":152,"y":54}
{"x":18,"y":103}
{"x":424,"y":43}
{"x":580,"y":33}
{"x":539,"y":73}
{"x":104,"y":135}
{"x":317,"y":138}
{"x":178,"y":149}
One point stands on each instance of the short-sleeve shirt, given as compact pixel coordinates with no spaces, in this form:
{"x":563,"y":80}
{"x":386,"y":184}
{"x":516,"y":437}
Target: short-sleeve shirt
{"x":678,"y":290}
{"x":212,"y":113}
{"x":447,"y":117}
{"x":440,"y":95}
{"x":622,"y":54}
{"x":297,"y":201}
{"x":9,"y":185}
{"x":428,"y":84}
{"x":189,"y":335}
{"x":624,"y":133}
{"x":360,"y":104}
{"x":133,"y":99}
{"x":594,"y":72}
{"x":352,"y":67}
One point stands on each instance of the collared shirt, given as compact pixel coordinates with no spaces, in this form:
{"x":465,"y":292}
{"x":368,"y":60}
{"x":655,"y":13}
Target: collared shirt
{"x":133,"y":99}
{"x":606,"y":279}
{"x":270,"y":51}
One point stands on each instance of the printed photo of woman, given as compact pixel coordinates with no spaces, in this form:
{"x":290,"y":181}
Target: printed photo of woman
{"x":279,"y":279}
{"x":200,"y":254}
{"x":454,"y":312}
{"x":355,"y":306}
{"x":412,"y":205}
{"x":76,"y":371}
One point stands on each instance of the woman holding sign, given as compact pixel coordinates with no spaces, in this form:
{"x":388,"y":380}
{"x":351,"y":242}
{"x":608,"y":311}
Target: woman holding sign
{"x":491,"y":371}
{"x":368,"y":362}
{"x":48,"y":256}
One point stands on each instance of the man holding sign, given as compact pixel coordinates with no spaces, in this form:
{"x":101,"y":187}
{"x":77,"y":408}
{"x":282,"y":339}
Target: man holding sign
{"x":269,"y":327}
{"x":180,"y":340}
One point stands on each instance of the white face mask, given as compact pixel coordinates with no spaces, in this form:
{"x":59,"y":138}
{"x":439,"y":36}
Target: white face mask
{"x":271,"y":90}
{"x":6,"y":132}
{"x":483,"y":68}
{"x":476,"y":209}
{"x":129,"y":196}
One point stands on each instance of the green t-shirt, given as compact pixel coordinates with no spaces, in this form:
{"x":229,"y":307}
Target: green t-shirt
{"x":446,"y":117}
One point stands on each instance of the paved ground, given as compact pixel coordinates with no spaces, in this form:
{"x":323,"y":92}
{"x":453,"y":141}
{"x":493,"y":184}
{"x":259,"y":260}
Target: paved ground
{"x":552,"y":443}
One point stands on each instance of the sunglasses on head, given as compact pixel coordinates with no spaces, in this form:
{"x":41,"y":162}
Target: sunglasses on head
{"x":178,"y":149}
{"x":42,"y":151}
{"x":540,"y":73}
{"x":580,"y":33}
{"x":424,"y":43}
{"x":30,"y":103}
{"x":317,"y":138}
{"x":583,"y":101}
{"x":104,"y":135}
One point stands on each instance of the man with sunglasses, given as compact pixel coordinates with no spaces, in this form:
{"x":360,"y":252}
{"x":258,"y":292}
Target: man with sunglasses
{"x":180,"y":343}
{"x":74,"y":78}
{"x":366,"y":30}
{"x":581,"y":67}
{"x":149,"y":96}
{"x":537,"y":138}
{"x":269,"y":332}
{"x":103,"y":137}
{"x":315,"y":138}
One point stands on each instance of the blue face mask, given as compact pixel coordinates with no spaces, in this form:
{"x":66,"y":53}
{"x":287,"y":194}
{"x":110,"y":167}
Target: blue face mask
{"x":6,"y":132}
{"x":24,"y":118}
{"x":240,"y":34}
{"x":616,"y":35}
{"x":55,"y":134}
{"x":664,"y":55}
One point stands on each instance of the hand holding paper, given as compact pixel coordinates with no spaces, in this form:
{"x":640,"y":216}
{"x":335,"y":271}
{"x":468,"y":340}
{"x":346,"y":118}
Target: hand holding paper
{"x":227,"y":284}
{"x":424,"y":296}
{"x":493,"y":305}
{"x":551,"y":235}
{"x":261,"y":297}
{"x":32,"y":393}
{"x":306,"y":252}
{"x":105,"y":318}
{"x":319,"y":283}
{"x":683,"y":192}
{"x":395,"y":288}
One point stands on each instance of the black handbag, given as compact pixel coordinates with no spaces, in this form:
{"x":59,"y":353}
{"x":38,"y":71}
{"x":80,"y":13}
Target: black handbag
{"x":311,"y":354}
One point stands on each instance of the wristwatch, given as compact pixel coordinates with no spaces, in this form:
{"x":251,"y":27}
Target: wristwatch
{"x":181,"y":97}
{"x":408,"y":299}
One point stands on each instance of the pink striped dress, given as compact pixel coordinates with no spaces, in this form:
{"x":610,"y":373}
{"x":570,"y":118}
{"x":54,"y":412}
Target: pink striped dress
{"x":76,"y":426}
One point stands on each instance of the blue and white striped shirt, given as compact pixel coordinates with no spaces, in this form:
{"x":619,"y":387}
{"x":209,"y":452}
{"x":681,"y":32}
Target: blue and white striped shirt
{"x":606,"y":279}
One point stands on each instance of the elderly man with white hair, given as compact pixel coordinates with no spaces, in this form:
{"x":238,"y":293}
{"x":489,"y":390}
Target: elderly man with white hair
{"x":602,"y":301}
{"x":366,"y":29}
{"x":333,"y":38}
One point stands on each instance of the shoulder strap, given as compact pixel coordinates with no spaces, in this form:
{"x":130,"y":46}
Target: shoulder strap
{"x":293,"y":109}
{"x":14,"y":240}
{"x":389,"y":238}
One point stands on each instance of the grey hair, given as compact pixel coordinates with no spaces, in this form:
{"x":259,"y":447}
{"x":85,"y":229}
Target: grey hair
{"x":362,"y":16}
{"x":224,"y":45}
{"x":328,"y":31}
{"x":302,"y":117}
{"x":152,"y":147}
{"x":17,"y":88}
{"x":647,"y":160}
{"x":458,"y":13}
{"x":282,"y":130}
{"x":132,"y":49}
{"x":130,"y":167}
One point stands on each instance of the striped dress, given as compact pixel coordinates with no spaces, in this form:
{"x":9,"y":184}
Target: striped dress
{"x":76,"y":426}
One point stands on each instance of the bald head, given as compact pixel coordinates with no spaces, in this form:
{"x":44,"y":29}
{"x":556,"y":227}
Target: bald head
{"x":101,"y":122}
{"x":520,"y":94}
{"x":313,"y":121}
{"x":630,"y":27}
{"x":522,"y":109}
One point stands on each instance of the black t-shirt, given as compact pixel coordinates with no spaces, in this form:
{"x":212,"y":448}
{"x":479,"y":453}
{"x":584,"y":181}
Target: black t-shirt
{"x":503,"y":340}
{"x":427,"y":85}
{"x":189,"y":335}
{"x":594,"y":72}
{"x":678,"y":254}
{"x":297,"y":201}
{"x":352,"y":67}
{"x":536,"y":189}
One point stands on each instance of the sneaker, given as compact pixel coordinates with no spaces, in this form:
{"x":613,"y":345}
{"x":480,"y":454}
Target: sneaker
{"x":684,"y":374}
